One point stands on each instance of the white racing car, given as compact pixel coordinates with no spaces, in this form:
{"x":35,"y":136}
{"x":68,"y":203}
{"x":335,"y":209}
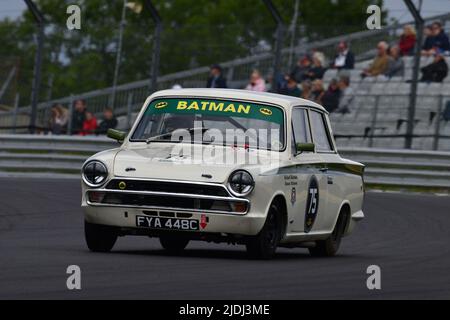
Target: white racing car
{"x":232,"y":166}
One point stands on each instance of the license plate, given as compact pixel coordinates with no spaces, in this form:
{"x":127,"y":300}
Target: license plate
{"x":166,"y":223}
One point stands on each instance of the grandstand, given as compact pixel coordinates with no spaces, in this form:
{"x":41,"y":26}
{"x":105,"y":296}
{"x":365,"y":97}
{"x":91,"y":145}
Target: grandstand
{"x":378,"y":113}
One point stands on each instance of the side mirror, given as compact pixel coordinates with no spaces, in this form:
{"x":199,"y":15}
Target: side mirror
{"x":305,"y":147}
{"x":116,"y":135}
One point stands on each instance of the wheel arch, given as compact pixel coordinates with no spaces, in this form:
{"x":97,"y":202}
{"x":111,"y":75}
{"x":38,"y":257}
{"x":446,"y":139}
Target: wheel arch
{"x":280,"y":200}
{"x":344,"y":209}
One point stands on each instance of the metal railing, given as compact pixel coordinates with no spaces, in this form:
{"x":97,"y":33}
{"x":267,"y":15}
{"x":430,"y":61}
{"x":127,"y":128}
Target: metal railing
{"x":62,"y":156}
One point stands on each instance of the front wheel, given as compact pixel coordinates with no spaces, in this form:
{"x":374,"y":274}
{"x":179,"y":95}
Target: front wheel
{"x":173,"y":244}
{"x":99,"y":238}
{"x":264,"y":245}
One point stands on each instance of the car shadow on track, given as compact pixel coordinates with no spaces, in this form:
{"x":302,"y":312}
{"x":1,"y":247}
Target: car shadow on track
{"x":222,"y":254}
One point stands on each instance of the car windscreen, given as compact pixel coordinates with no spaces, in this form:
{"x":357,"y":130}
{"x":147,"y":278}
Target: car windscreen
{"x":212,"y":121}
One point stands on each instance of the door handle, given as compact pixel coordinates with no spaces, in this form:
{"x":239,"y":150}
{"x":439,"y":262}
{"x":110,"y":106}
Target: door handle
{"x":325,"y":169}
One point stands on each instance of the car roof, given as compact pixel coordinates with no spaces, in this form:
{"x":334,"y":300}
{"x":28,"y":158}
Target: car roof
{"x":287,"y":102}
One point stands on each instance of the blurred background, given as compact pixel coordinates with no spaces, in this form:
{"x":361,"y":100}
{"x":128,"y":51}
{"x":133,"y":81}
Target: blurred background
{"x":88,"y":80}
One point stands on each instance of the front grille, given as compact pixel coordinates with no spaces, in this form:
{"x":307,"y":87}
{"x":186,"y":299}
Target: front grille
{"x":148,"y":200}
{"x":167,"y":186}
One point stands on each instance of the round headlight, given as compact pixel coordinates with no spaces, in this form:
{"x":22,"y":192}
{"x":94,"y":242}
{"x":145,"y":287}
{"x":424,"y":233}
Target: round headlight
{"x":94,"y":173}
{"x":240,"y":183}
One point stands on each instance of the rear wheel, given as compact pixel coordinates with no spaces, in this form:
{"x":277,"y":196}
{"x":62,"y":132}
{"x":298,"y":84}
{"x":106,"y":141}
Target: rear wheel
{"x":330,"y":246}
{"x":264,"y":245}
{"x":173,"y":244}
{"x":99,"y":238}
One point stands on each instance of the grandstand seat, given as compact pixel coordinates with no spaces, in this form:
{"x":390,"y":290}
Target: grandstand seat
{"x":329,"y":74}
{"x":378,"y":88}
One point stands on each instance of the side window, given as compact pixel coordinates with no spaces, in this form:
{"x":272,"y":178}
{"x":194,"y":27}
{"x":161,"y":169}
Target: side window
{"x":319,"y":132}
{"x":300,"y":126}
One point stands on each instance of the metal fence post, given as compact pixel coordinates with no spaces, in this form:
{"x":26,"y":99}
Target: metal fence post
{"x":278,"y":41}
{"x":415,"y":76}
{"x":437,"y":127}
{"x":15,"y":112}
{"x":129,"y":104}
{"x":156,"y":44}
{"x":69,"y":123}
{"x":374,"y":120}
{"x":39,"y":19}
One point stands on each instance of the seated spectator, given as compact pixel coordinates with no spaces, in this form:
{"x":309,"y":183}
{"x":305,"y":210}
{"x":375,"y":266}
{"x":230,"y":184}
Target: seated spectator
{"x":317,"y":91}
{"x":291,"y":88}
{"x":317,"y":69}
{"x":435,"y":71}
{"x":89,"y":124}
{"x":59,"y":119}
{"x":428,"y":35}
{"x":78,"y":116}
{"x":109,"y":121}
{"x":300,"y":71}
{"x":407,"y":40}
{"x":330,"y":99}
{"x":256,"y":83}
{"x":396,"y":66}
{"x":216,"y":79}
{"x":380,"y":63}
{"x":346,"y":95}
{"x":437,"y":40}
{"x":306,"y":92}
{"x":344,"y":58}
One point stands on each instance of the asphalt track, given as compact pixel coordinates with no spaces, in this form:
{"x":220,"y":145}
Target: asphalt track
{"x":41,"y":233}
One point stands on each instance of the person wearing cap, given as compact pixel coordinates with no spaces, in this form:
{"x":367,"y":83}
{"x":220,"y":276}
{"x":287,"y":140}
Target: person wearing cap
{"x":437,"y":40}
{"x":216,"y":79}
{"x":437,"y":70}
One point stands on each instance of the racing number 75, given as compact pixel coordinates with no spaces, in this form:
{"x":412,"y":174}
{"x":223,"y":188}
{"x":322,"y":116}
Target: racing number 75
{"x":313,"y":202}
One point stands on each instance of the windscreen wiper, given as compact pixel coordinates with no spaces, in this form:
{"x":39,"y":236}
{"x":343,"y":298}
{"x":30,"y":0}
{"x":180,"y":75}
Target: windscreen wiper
{"x":158,"y":137}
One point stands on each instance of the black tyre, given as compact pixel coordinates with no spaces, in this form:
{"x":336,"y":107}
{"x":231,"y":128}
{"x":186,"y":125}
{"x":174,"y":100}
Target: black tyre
{"x":99,"y":238}
{"x":330,"y":246}
{"x":264,"y":245}
{"x":173,"y":244}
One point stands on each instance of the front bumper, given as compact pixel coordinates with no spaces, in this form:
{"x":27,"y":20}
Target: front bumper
{"x":123,"y":217}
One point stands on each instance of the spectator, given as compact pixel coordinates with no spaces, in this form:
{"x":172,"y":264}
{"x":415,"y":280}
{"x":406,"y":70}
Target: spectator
{"x":216,"y":79}
{"x":317,"y":69}
{"x":407,"y":40}
{"x":428,"y":34}
{"x":330,"y":99}
{"x":396,"y":66}
{"x":291,"y":88}
{"x":344,"y":58}
{"x":380,"y":63}
{"x":89,"y":124}
{"x":257,"y":82}
{"x":306,"y":92}
{"x":300,"y":71}
{"x":346,"y":95}
{"x":78,"y":116}
{"x":109,"y":121}
{"x":317,"y":91}
{"x":435,"y":71}
{"x":59,"y":118}
{"x":437,"y":40}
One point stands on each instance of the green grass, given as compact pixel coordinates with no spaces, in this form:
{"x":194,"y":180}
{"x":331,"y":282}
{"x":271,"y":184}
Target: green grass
{"x":41,"y":170}
{"x":43,"y":151}
{"x":402,"y":188}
